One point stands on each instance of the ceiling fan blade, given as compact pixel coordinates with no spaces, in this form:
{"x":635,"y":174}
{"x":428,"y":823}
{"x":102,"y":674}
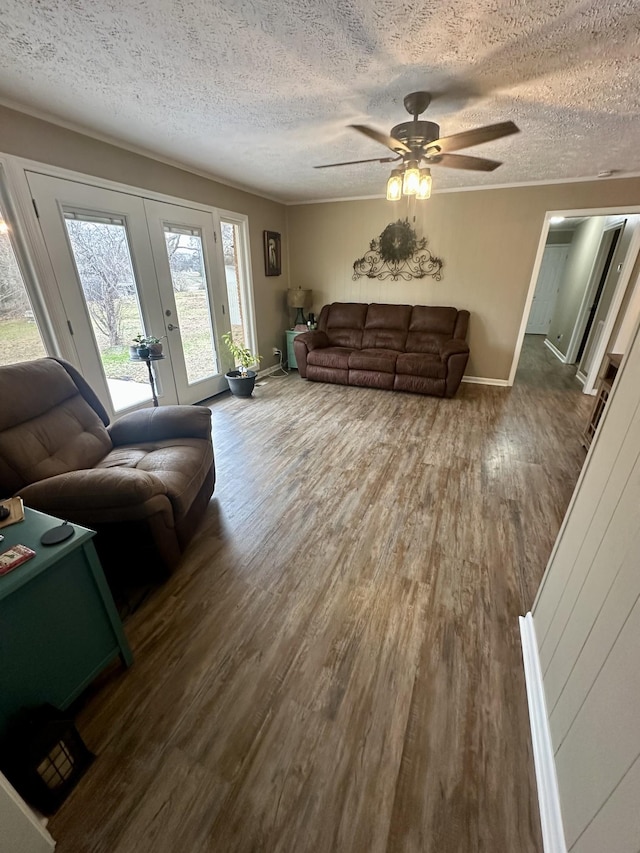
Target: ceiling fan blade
{"x":463,"y":161}
{"x":382,"y":138}
{"x":353,"y":162}
{"x":474,"y":137}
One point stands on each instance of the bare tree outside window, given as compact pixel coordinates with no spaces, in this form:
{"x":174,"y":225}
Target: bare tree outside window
{"x":102,"y":257}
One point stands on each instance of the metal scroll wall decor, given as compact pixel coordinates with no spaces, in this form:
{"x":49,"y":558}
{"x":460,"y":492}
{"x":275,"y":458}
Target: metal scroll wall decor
{"x":398,"y":254}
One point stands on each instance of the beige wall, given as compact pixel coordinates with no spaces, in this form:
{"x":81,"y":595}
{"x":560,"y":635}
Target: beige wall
{"x":575,"y":278}
{"x":29,"y":137}
{"x":587,"y":621}
{"x":488,"y":240}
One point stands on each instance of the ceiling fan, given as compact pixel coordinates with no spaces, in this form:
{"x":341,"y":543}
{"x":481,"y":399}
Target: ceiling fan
{"x":417,"y":142}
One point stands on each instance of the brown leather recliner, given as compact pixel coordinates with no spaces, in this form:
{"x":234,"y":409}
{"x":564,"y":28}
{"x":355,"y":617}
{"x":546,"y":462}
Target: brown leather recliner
{"x":142,"y":483}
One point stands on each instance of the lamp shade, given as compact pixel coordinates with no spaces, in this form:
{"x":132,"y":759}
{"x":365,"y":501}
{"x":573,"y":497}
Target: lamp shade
{"x":298,"y":298}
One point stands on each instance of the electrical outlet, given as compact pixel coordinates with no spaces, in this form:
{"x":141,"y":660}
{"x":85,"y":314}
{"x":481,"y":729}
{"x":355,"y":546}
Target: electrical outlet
{"x":276,"y":351}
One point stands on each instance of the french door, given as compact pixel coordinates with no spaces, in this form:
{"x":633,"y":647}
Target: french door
{"x":127,"y":265}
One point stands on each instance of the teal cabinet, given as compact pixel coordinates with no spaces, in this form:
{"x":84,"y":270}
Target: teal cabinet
{"x":291,"y":356}
{"x":59,"y":626}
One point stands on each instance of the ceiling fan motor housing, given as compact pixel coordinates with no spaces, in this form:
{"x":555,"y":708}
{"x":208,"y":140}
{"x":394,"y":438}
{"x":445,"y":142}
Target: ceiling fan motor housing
{"x":416,"y":134}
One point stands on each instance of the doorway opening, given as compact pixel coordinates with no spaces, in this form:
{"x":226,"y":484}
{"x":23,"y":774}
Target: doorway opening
{"x":580,"y":293}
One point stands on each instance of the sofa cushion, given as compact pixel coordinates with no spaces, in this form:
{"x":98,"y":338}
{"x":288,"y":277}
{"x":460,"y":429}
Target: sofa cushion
{"x":437,"y":320}
{"x":381,"y":360}
{"x":344,"y":323}
{"x":337,"y":357}
{"x":386,"y":326}
{"x":421,"y":364}
{"x":425,"y":342}
{"x":181,"y":465}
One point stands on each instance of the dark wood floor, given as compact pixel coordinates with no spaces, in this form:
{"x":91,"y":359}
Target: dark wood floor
{"x":336,"y":665}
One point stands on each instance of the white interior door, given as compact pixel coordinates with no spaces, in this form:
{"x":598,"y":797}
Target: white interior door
{"x":547,"y":287}
{"x":110,"y":252}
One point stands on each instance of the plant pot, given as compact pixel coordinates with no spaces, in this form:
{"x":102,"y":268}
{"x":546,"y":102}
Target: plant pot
{"x":155,"y":349}
{"x":239,"y":385}
{"x":143,"y":352}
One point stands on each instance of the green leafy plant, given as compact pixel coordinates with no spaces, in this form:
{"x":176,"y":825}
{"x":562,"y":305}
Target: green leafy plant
{"x":242,"y":356}
{"x":144,"y":340}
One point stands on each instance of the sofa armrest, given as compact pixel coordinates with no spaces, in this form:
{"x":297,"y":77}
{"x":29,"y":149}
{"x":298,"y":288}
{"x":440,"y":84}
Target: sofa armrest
{"x":159,"y":424}
{"x":454,"y":347}
{"x":92,"y":489}
{"x":304,"y":343}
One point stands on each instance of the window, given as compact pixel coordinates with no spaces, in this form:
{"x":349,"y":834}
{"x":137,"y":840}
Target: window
{"x":20,"y":338}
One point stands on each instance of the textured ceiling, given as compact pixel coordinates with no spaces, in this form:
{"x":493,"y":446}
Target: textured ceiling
{"x":258,"y":92}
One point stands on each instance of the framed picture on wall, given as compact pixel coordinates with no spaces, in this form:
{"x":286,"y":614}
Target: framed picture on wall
{"x":272,"y":262}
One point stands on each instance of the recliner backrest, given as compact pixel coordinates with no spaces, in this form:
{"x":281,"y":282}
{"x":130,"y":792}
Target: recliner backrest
{"x":46,"y":425}
{"x":343,"y":323}
{"x":386,"y":327}
{"x":430,"y":327}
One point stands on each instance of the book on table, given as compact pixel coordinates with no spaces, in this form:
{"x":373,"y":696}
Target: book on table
{"x":14,"y":557}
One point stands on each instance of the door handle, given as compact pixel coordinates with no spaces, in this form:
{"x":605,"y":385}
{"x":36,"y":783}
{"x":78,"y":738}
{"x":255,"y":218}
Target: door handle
{"x":171,"y":327}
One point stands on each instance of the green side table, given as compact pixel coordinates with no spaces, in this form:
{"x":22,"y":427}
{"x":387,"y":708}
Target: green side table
{"x":59,"y":627}
{"x":291,"y":356}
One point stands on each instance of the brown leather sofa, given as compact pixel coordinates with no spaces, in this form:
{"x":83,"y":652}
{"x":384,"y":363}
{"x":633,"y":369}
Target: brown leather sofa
{"x":142,"y":482}
{"x":397,"y":347}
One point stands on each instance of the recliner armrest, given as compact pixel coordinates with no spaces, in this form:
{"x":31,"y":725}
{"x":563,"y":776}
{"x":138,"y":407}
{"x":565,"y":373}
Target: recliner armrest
{"x":304,"y":343}
{"x":312,"y":340}
{"x":159,"y":424}
{"x":454,"y":347}
{"x":93,"y":489}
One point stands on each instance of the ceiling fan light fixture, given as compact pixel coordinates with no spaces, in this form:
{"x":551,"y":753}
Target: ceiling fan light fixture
{"x":394,"y":185}
{"x":424,"y":184}
{"x":411,"y":178}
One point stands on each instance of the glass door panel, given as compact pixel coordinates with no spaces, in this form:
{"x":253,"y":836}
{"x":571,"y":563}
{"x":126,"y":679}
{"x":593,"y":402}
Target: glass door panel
{"x":191,"y":294}
{"x":100,"y":247}
{"x":190,"y":273}
{"x":127,"y":265}
{"x":20,"y":338}
{"x":98,"y":243}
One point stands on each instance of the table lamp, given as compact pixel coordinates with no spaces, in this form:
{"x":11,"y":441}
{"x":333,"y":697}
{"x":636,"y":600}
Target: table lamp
{"x":298,"y":298}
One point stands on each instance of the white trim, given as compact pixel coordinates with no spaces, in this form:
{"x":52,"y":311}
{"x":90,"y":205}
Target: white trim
{"x":554,"y":349}
{"x":598,"y":211}
{"x":581,"y":377}
{"x":624,"y":278}
{"x":517,"y":185}
{"x":547,"y":782}
{"x":261,"y":374}
{"x":134,"y":149}
{"x":482,"y":380}
{"x":42,"y":115}
{"x":595,"y":275}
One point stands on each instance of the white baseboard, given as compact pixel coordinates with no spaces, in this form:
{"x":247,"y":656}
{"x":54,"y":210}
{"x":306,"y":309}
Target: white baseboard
{"x":555,"y":351}
{"x":548,"y":795}
{"x":581,"y":377}
{"x":481,"y":380}
{"x":261,"y":374}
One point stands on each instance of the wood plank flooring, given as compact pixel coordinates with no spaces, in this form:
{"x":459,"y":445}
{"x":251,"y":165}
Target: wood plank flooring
{"x":336,"y":666}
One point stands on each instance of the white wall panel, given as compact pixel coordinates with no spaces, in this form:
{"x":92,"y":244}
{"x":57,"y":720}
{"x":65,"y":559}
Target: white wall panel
{"x":618,"y":818}
{"x":604,"y":740}
{"x":587,"y":618}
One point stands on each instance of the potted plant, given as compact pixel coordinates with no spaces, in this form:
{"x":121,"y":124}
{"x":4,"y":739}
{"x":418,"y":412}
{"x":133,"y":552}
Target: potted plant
{"x":145,"y":346}
{"x":241,"y":380}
